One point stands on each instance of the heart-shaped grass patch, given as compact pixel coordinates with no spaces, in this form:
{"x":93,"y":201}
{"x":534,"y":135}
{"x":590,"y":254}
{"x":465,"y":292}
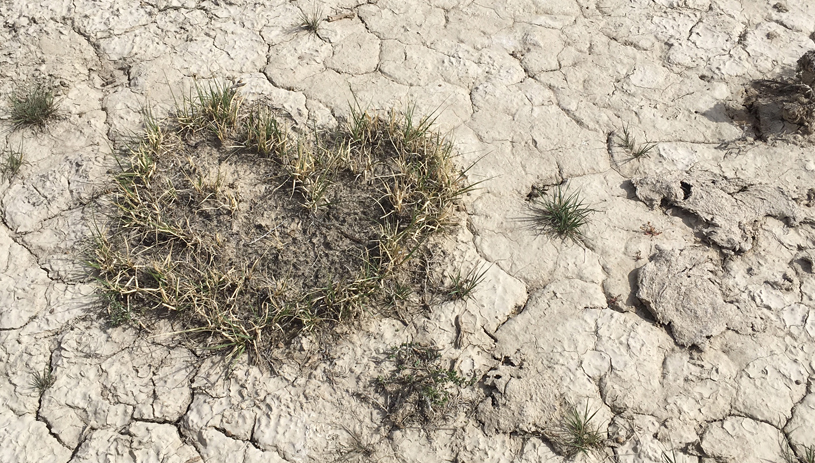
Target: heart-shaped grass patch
{"x":247,"y":234}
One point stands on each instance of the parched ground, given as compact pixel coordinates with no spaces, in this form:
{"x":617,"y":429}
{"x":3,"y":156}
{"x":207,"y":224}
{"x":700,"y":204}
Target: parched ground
{"x":687,"y":321}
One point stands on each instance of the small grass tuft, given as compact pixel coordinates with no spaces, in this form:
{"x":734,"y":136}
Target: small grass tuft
{"x":637,"y":151}
{"x":212,"y":108}
{"x":561,"y":215}
{"x":312,"y":22}
{"x":263,"y":133}
{"x":359,"y":448}
{"x":463,"y":284}
{"x":311,"y":170}
{"x":580,"y":435}
{"x":670,"y":458}
{"x":42,"y":381}
{"x":33,"y":105}
{"x":12,"y":160}
{"x":807,"y":454}
{"x":420,"y":389}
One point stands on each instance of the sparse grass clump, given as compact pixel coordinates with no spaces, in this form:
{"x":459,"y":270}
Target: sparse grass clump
{"x":263,"y":133}
{"x":806,"y":453}
{"x":359,"y":448}
{"x":12,"y":160}
{"x":42,"y":381}
{"x":212,"y":107}
{"x":420,"y":389}
{"x":312,"y":22}
{"x":33,"y":105}
{"x":561,"y":215}
{"x":247,"y":236}
{"x":578,"y":433}
{"x":463,"y":284}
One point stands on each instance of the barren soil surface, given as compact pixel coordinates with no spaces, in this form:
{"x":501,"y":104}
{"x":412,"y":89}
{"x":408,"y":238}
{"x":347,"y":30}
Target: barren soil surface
{"x":686,"y":320}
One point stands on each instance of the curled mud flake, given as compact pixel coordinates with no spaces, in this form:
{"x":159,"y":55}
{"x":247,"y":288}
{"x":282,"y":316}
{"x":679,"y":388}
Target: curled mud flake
{"x":781,"y":7}
{"x":678,"y":288}
{"x":724,"y":210}
{"x":343,"y":15}
{"x":774,"y":102}
{"x":686,"y":189}
{"x":806,"y":68}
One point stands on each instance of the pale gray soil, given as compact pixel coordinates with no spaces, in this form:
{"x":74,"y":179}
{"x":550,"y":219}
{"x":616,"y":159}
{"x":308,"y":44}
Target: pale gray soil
{"x":698,"y":337}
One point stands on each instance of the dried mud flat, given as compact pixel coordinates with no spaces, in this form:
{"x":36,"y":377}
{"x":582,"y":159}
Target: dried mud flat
{"x":685,"y":321}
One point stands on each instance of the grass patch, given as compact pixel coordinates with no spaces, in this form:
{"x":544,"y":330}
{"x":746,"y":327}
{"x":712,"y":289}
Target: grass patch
{"x":419,"y":390}
{"x":12,"y":160}
{"x":561,"y":215}
{"x":32,"y":105}
{"x":42,"y":381}
{"x":578,"y":434}
{"x":246,"y":236}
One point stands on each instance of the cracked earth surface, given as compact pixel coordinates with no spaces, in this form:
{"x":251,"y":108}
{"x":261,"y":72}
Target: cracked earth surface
{"x":698,"y":337}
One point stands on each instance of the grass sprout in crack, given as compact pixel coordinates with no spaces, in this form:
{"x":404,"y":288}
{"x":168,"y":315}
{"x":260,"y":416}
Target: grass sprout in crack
{"x":804,"y":453}
{"x":245,"y":236}
{"x":42,"y":381}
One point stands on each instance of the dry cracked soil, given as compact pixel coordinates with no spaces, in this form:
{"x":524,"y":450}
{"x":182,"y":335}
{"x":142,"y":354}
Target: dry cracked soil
{"x":683,"y":321}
